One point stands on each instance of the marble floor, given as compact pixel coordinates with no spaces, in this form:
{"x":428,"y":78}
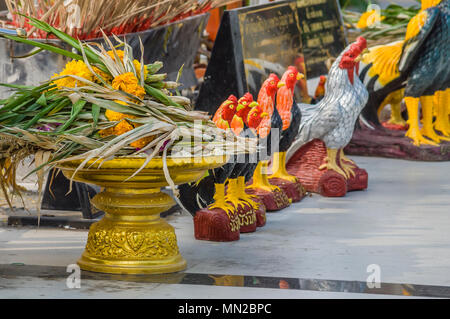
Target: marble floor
{"x":396,"y":231}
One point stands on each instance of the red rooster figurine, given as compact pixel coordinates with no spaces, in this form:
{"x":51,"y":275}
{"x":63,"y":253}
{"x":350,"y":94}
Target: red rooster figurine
{"x":320,"y":90}
{"x":290,"y":116}
{"x":224,"y":114}
{"x":244,"y":105}
{"x":273,"y":197}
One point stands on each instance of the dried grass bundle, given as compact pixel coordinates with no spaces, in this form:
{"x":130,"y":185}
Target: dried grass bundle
{"x":84,"y":19}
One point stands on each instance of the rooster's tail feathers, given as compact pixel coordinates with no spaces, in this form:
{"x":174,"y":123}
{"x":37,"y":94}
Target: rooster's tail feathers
{"x":382,"y":62}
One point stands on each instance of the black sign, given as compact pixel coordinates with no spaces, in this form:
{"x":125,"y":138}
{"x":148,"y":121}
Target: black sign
{"x":323,"y":34}
{"x":252,"y":42}
{"x":255,"y":41}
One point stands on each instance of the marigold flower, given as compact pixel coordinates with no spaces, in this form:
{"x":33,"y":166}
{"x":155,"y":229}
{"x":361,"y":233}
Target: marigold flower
{"x":137,"y":64}
{"x":106,"y":132}
{"x":107,"y":77}
{"x":122,"y":127}
{"x":77,"y":68}
{"x":128,"y":83}
{"x":369,"y":18}
{"x":120,"y":54}
{"x":141,"y":143}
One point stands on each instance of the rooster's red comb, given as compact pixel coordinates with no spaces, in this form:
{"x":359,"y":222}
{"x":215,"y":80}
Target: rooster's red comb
{"x":247,"y":97}
{"x":362,"y":43}
{"x":232,"y":98}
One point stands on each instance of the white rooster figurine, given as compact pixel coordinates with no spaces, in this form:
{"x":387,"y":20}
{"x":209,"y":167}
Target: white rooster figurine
{"x":333,"y":119}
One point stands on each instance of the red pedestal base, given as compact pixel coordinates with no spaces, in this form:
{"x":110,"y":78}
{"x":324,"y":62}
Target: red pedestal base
{"x":260,"y":212}
{"x":247,"y":218}
{"x":395,"y":127}
{"x":305,"y":165}
{"x":294,"y":191}
{"x":272,"y":200}
{"x":381,"y":142}
{"x":215,"y":225}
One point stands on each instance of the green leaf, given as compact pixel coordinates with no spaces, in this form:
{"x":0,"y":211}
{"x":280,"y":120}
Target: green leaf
{"x":95,"y":113}
{"x":76,"y":108}
{"x":160,"y":96}
{"x":42,"y":100}
{"x":43,"y":113}
{"x":47,"y":47}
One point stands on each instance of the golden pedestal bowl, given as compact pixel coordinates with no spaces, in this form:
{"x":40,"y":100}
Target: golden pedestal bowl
{"x":132,"y":238}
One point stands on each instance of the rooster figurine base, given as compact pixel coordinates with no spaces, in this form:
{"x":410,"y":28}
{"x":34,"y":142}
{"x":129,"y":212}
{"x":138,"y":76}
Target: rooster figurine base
{"x":219,"y":221}
{"x":273,"y":197}
{"x":293,"y":188}
{"x":306,"y":164}
{"x":294,"y":191}
{"x":216,"y":225}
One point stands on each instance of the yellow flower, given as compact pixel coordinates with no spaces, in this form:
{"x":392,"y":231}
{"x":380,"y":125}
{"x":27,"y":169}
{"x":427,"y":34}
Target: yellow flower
{"x":369,"y":18}
{"x":106,"y":132}
{"x":123,"y":127}
{"x":137,"y":64}
{"x":141,"y":143}
{"x":128,"y":83}
{"x":107,"y":77}
{"x":119,"y":53}
{"x":74,"y":67}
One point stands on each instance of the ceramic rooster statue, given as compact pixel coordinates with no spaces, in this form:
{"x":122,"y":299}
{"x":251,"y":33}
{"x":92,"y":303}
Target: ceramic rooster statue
{"x":320,"y":90}
{"x":236,"y":195}
{"x":273,"y":197}
{"x":225,"y":113}
{"x":332,"y":121}
{"x":221,"y":208}
{"x":291,"y":117}
{"x":420,"y":66}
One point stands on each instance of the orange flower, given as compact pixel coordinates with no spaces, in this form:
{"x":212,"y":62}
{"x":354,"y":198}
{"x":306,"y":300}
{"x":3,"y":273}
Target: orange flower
{"x":122,"y":127}
{"x":74,"y":67}
{"x":128,"y":83}
{"x":369,"y":18}
{"x":106,"y":132}
{"x":141,"y":143}
{"x":137,"y":64}
{"x":104,"y":75}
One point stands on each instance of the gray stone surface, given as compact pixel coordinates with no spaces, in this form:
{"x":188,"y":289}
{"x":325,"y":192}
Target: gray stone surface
{"x":401,"y":223}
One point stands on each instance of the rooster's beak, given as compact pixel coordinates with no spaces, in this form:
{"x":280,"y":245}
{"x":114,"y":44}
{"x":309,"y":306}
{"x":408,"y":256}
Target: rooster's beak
{"x":239,"y":107}
{"x":300,"y":76}
{"x":362,"y":55}
{"x":359,"y":58}
{"x":281,"y":84}
{"x":264,"y":114}
{"x":253,"y":104}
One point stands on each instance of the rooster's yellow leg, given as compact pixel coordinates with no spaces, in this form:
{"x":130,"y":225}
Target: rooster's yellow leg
{"x":396,"y":114}
{"x":412,"y":105}
{"x":331,"y":163}
{"x":427,"y":110}
{"x":395,"y":100}
{"x":243,"y":195}
{"x":233,"y":193}
{"x":347,"y":164}
{"x":442,"y":122}
{"x":260,"y":180}
{"x":220,"y":202}
{"x":279,"y":168}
